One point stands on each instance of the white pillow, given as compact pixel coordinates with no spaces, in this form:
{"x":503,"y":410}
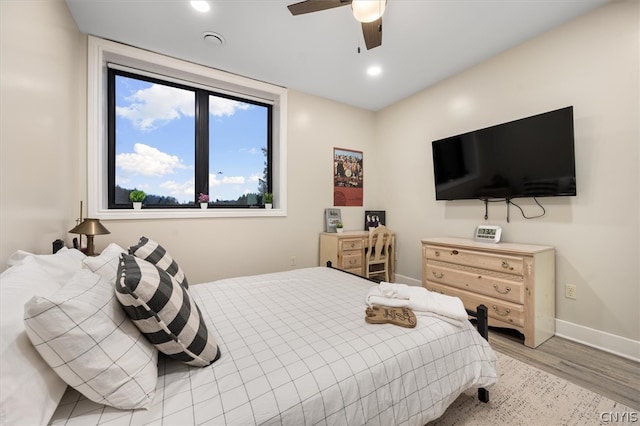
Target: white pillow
{"x":84,"y":335}
{"x":106,"y":264}
{"x":29,"y":389}
{"x":60,"y":266}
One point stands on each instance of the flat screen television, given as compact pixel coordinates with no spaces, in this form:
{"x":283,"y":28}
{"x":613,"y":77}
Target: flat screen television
{"x":529,"y":157}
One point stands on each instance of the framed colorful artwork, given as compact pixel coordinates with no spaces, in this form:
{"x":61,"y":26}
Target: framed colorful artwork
{"x":348,"y":177}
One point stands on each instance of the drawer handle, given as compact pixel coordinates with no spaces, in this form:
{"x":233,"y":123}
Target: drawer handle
{"x":437,"y":274}
{"x":454,"y":252}
{"x":437,"y":291}
{"x":502,"y":314}
{"x":507,"y":290}
{"x":505,"y":264}
{"x":437,"y":253}
{"x":353,"y":245}
{"x":353,"y":261}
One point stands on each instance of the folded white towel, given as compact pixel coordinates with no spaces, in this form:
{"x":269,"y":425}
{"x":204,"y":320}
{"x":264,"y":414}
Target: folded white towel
{"x":395,"y":291}
{"x":420,"y":300}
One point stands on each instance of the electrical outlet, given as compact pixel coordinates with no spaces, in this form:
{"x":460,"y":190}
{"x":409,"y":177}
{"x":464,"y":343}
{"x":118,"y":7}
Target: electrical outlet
{"x":570,"y":291}
{"x":293,"y":261}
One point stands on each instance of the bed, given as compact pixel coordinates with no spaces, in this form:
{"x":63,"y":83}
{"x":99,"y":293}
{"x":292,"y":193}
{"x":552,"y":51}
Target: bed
{"x":295,"y":349}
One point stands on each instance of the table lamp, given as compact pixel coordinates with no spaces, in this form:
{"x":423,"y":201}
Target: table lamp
{"x":90,"y":227}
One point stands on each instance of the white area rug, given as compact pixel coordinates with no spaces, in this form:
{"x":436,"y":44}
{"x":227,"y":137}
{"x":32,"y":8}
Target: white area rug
{"x":526,"y":395}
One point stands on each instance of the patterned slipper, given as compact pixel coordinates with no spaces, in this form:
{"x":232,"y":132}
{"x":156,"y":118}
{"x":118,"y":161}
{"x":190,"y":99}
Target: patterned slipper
{"x":377,"y":314}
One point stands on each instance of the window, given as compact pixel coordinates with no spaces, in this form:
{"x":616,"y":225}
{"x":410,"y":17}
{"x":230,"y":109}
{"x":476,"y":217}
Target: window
{"x":175,"y":142}
{"x":175,"y":129}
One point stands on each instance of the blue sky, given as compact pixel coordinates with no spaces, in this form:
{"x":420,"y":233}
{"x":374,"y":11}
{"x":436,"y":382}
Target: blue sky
{"x":155,"y":142}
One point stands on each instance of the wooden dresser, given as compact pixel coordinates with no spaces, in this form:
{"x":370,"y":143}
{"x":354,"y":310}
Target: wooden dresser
{"x":515,"y":281}
{"x":347,"y":250}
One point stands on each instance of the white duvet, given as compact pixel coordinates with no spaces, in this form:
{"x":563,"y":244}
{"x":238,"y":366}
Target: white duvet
{"x":296,"y":350}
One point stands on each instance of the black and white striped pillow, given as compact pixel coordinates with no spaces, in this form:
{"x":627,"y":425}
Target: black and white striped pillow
{"x":153,"y":252}
{"x":164,"y":312}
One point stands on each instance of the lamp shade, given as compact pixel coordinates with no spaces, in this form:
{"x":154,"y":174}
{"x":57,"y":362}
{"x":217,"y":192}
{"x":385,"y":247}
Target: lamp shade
{"x":368,"y":10}
{"x":90,"y":227}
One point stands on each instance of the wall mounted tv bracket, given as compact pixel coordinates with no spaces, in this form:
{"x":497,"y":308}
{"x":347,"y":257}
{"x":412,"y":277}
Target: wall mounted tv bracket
{"x":486,"y":208}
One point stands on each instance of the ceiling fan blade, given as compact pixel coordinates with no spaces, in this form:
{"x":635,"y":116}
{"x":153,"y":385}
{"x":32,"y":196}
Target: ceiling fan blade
{"x":309,"y":6}
{"x":372,"y":32}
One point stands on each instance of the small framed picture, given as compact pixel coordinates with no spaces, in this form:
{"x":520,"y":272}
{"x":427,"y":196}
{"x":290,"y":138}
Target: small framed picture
{"x":373,"y":219}
{"x":332,"y":217}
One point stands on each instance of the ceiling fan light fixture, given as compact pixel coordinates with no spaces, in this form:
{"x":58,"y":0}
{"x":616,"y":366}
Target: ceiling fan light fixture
{"x":368,"y":10}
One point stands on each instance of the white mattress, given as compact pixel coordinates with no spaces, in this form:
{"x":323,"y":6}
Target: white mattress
{"x":296,"y":350}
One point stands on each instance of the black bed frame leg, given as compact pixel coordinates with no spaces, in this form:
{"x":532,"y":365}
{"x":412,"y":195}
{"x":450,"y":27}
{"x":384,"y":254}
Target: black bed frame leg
{"x":483,"y":329}
{"x":483,"y":321}
{"x":483,"y":395}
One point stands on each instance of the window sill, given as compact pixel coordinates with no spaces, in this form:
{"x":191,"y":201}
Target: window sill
{"x":186,"y":214}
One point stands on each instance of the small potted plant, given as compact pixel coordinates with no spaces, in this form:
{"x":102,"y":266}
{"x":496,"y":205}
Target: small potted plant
{"x":137,"y":196}
{"x":268,"y":200}
{"x":339,"y":227}
{"x":203,"y":199}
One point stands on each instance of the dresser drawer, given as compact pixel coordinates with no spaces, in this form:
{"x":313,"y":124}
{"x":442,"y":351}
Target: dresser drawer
{"x":483,"y":281}
{"x":496,"y":262}
{"x":499,"y":310}
{"x":351,"y":260}
{"x":351,"y":244}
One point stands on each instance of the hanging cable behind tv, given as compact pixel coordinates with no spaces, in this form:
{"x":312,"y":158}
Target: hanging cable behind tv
{"x":508,"y":203}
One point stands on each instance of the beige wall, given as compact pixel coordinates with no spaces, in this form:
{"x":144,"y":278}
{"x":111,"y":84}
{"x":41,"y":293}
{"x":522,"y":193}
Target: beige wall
{"x":43,"y":90}
{"x":590,"y":63}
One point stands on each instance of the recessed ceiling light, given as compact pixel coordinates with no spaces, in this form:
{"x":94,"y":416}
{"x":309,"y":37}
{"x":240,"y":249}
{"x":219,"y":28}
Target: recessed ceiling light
{"x":374,"y":71}
{"x":200,"y":6}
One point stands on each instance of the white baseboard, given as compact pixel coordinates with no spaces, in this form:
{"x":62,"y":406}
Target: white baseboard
{"x":401,"y":279}
{"x":617,"y":345}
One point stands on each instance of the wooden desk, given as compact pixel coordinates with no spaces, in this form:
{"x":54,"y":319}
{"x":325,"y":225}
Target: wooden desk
{"x":347,"y":251}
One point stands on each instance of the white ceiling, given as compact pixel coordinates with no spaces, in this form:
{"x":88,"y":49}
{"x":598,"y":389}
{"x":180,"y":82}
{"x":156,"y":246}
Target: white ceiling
{"x":423,"y":42}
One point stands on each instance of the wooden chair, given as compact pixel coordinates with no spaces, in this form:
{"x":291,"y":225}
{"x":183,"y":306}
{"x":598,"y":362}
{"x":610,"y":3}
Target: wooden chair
{"x":379,"y":255}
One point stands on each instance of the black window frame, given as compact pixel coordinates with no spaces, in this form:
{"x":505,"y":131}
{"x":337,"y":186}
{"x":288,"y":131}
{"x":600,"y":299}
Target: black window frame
{"x":201,"y":142}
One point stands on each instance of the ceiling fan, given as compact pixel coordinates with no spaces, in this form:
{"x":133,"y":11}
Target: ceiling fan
{"x":368,"y":12}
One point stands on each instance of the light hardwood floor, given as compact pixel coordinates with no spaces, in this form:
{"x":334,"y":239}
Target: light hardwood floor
{"x":609,"y":375}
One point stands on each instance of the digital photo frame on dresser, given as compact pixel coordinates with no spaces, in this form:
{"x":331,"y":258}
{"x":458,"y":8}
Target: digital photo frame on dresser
{"x":331,"y":218}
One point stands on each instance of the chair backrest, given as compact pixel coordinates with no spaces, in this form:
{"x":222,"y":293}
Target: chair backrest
{"x":379,"y":242}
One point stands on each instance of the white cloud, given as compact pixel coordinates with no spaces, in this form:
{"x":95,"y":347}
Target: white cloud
{"x":148,"y":161}
{"x":226,"y":180}
{"x":180,"y":190}
{"x":251,"y":151}
{"x":157,"y":105}
{"x":122,"y":180}
{"x":219,"y":107}
{"x":235,"y":180}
